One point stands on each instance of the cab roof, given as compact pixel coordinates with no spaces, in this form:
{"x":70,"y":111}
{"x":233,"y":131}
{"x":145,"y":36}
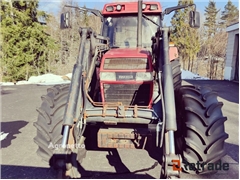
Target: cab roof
{"x":131,"y":7}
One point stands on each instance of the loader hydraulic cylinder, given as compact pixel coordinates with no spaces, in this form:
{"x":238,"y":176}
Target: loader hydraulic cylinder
{"x":168,"y":92}
{"x":76,"y":82}
{"x":70,"y":110}
{"x":168,"y":85}
{"x":139,"y":30}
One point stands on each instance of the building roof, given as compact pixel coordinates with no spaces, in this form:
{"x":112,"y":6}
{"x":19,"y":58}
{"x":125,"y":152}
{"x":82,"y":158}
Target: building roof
{"x":233,"y":27}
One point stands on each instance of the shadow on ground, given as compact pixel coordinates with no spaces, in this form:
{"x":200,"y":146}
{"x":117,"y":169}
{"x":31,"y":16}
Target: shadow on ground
{"x":6,"y":90}
{"x":26,"y":172}
{"x":114,"y":159}
{"x":12,"y":128}
{"x":233,"y":151}
{"x":122,"y":172}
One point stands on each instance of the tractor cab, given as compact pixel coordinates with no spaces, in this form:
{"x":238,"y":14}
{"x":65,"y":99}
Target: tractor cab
{"x":121,"y":23}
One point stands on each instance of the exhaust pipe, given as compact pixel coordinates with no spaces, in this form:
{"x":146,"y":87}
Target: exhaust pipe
{"x":139,"y":30}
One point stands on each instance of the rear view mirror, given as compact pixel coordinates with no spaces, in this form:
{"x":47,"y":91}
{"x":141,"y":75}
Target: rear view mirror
{"x":194,"y":19}
{"x":65,"y":21}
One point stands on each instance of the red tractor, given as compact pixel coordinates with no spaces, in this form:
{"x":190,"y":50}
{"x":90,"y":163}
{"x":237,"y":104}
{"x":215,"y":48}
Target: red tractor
{"x":126,"y":92}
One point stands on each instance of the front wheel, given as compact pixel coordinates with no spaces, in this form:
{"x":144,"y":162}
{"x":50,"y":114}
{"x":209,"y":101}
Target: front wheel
{"x":201,"y":134}
{"x":49,"y":130}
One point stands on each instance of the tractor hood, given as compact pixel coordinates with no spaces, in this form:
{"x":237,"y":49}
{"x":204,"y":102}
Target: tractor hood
{"x":127,"y":53}
{"x":126,"y":76}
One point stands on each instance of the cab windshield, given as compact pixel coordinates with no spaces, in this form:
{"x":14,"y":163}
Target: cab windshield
{"x":122,"y":30}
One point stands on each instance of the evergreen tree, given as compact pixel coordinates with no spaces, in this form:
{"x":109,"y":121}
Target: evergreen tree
{"x":213,"y":44}
{"x":211,"y":16}
{"x":230,"y":14}
{"x":185,"y":37}
{"x":24,"y":44}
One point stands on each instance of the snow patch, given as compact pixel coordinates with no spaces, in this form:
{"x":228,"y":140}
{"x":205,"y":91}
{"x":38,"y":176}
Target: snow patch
{"x":190,"y":75}
{"x":52,"y":79}
{"x":23,"y":82}
{"x":3,"y":135}
{"x":46,"y":78}
{"x":7,"y":83}
{"x":69,"y":75}
{"x":52,"y":84}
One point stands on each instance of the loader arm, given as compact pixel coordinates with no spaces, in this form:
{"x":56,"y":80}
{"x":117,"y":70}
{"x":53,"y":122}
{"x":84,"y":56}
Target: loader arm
{"x":93,"y":11}
{"x":82,"y":72}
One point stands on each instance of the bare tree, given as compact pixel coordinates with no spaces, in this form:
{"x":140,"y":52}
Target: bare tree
{"x":216,"y":50}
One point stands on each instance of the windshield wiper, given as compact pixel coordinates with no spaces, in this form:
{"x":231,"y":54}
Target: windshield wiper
{"x":143,"y":15}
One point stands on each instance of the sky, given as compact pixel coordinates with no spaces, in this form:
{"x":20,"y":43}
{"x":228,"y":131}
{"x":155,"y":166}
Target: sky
{"x":53,"y":5}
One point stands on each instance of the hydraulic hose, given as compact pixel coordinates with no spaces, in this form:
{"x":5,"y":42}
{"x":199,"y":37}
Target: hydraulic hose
{"x":83,"y":109}
{"x":163,"y":108}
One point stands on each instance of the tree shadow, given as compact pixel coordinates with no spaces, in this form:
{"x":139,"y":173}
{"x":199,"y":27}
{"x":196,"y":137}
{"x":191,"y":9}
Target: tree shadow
{"x":28,"y":172}
{"x":233,"y":151}
{"x":115,"y":161}
{"x":11,"y":129}
{"x":5,"y":91}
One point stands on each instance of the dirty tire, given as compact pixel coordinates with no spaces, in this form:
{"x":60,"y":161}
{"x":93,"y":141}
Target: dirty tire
{"x":201,"y":134}
{"x":176,"y":72}
{"x":49,"y":125}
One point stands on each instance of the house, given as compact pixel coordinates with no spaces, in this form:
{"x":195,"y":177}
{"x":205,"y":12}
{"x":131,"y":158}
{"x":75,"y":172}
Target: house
{"x":232,"y":53}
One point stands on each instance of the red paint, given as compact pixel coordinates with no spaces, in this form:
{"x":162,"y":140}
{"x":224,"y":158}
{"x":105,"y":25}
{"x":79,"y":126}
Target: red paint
{"x":127,"y":52}
{"x":131,"y":7}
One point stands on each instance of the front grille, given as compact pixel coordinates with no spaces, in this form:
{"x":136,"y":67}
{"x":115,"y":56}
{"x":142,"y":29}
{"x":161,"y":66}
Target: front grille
{"x":126,"y":63}
{"x":128,"y":94}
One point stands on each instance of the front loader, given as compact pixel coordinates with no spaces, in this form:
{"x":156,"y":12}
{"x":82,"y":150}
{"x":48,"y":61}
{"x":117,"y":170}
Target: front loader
{"x":126,"y":92}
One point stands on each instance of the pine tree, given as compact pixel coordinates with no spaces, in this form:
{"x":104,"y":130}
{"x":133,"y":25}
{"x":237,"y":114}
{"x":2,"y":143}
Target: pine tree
{"x":230,"y":14}
{"x":213,"y":44}
{"x":211,"y":16}
{"x":185,"y":37}
{"x":24,"y":44}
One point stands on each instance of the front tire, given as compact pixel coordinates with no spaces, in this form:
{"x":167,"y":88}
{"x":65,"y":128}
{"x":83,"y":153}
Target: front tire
{"x":201,"y":134}
{"x":49,"y":128}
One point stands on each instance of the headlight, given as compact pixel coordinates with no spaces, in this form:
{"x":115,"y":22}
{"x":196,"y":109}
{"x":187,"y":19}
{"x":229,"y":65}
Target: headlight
{"x":107,"y":76}
{"x":144,"y":76}
{"x":119,"y":7}
{"x":153,"y":7}
{"x":144,"y":6}
{"x":109,"y":8}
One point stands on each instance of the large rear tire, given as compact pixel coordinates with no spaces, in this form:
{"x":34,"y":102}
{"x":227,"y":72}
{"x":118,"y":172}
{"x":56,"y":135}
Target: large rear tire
{"x":201,"y":134}
{"x":49,"y":127}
